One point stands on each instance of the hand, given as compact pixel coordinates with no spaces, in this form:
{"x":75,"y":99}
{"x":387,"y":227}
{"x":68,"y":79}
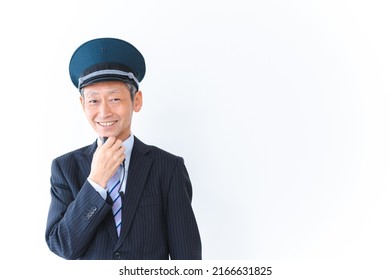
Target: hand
{"x":106,"y":160}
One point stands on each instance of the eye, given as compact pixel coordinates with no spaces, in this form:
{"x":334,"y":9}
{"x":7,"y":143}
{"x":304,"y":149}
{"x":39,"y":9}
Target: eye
{"x":115,"y":99}
{"x":92,"y":101}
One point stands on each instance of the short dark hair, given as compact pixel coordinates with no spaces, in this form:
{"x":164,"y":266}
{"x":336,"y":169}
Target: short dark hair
{"x":133,"y":90}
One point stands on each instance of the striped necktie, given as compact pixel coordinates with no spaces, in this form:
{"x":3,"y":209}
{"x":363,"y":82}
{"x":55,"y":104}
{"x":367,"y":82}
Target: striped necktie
{"x":113,"y":186}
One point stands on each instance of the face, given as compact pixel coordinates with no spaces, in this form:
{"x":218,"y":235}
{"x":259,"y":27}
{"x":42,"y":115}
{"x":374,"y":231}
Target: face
{"x":109,"y":109}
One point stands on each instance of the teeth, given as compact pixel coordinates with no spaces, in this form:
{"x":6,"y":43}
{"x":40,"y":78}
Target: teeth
{"x":106,"y":123}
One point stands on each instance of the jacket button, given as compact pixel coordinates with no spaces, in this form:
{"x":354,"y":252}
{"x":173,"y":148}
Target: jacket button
{"x":117,"y":256}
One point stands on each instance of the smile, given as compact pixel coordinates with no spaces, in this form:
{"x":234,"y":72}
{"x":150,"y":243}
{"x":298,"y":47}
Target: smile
{"x":107,"y":123}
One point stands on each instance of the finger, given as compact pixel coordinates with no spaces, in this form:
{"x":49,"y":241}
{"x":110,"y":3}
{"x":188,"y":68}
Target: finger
{"x":117,"y":145}
{"x":122,"y":149}
{"x":120,"y":155}
{"x":109,"y":142}
{"x":100,"y":142}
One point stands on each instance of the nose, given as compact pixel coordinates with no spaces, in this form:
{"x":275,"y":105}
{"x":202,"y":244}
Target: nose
{"x":104,"y":109}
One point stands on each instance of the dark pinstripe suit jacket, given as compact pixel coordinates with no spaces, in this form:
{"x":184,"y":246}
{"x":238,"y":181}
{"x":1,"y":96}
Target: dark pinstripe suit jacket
{"x":157,"y":218}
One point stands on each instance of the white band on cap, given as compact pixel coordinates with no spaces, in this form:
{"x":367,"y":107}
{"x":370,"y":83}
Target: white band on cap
{"x":108,"y":72}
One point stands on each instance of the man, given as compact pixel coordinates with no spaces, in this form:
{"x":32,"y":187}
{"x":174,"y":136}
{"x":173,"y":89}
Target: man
{"x":118,"y":198}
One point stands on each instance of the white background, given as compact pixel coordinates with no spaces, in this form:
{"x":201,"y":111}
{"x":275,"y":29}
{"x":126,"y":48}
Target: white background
{"x":280,"y":109}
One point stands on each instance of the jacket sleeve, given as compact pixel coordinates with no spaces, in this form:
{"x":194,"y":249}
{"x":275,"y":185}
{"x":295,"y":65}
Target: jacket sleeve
{"x":74,"y":214}
{"x":183,"y":234}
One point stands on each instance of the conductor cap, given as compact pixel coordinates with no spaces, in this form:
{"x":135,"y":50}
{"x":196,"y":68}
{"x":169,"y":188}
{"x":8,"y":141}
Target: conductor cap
{"x":106,"y":59}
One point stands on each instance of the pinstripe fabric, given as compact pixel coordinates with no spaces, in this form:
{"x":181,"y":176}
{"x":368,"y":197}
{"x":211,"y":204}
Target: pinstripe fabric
{"x":113,"y":186}
{"x":157,"y":217}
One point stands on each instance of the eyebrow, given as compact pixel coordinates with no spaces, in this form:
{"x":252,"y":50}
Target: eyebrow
{"x":96,"y":92}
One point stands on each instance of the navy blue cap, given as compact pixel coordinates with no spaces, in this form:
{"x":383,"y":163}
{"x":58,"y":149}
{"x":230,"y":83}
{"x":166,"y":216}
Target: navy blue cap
{"x":106,"y":59}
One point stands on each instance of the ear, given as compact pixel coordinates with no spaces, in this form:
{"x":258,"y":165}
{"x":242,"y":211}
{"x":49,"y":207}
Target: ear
{"x":137,"y":101}
{"x":82,"y":102}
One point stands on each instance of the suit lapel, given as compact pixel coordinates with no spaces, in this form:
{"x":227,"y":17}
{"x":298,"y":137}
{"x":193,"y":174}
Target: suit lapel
{"x":85,"y":165}
{"x":137,"y":176}
{"x":87,"y":159}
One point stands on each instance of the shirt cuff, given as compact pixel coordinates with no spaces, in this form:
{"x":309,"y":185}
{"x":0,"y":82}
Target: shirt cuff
{"x":98,"y":188}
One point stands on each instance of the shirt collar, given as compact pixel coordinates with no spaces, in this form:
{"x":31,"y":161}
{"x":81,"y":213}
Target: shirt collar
{"x":128,"y":144}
